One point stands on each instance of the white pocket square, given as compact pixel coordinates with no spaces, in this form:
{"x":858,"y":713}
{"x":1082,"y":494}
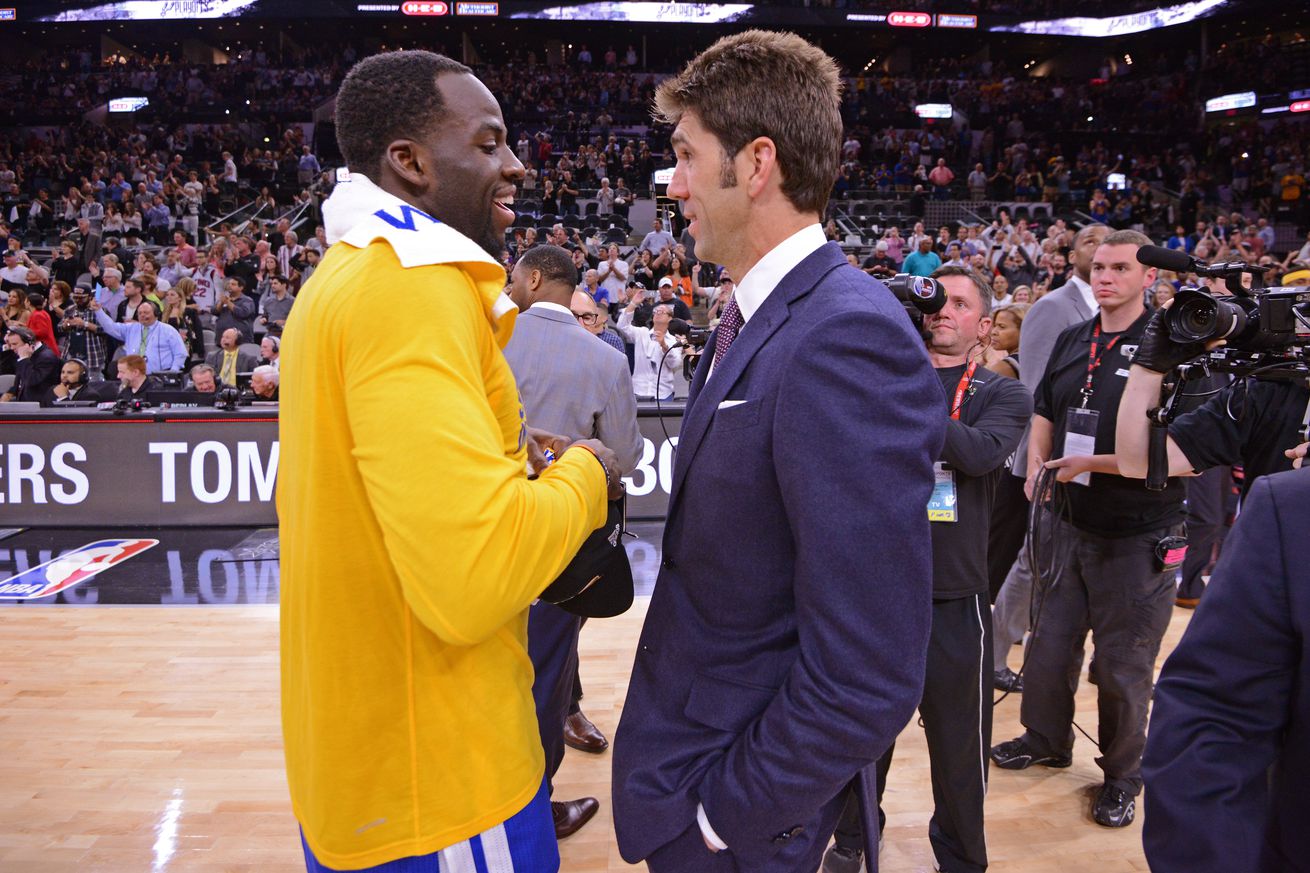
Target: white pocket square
{"x":728,"y":404}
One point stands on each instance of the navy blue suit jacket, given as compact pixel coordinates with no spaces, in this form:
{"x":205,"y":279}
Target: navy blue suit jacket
{"x":785,"y":644}
{"x":1227,"y":762}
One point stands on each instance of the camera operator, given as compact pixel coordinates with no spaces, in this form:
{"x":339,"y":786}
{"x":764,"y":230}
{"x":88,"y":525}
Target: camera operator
{"x":987,"y":413}
{"x":1251,"y":422}
{"x":1108,"y":571}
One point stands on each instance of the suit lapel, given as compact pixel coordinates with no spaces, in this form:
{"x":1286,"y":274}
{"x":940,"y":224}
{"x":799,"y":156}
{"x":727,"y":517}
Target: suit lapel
{"x":1079,"y":303}
{"x":706,"y":395}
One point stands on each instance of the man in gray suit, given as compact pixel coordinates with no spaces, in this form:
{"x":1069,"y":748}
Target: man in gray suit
{"x":1070,"y":304}
{"x":575,"y":385}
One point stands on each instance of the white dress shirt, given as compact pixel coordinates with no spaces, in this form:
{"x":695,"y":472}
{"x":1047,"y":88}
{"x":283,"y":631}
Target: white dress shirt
{"x":756,"y":286}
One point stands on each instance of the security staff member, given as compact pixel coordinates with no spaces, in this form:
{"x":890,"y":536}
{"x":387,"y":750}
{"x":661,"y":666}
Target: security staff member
{"x":1108,"y":577}
{"x":988,"y":413}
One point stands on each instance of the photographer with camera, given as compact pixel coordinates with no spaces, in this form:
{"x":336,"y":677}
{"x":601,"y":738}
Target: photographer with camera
{"x":657,"y":355}
{"x":987,"y":414}
{"x":1106,"y":549}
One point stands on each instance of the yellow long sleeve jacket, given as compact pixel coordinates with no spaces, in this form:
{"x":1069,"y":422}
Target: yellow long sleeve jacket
{"x":412,"y":544}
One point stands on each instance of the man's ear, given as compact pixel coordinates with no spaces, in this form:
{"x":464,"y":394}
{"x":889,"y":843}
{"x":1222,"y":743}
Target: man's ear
{"x":402,"y":159}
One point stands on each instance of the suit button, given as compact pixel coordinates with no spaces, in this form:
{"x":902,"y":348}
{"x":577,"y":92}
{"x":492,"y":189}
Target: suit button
{"x":667,"y":563}
{"x":788,"y":834}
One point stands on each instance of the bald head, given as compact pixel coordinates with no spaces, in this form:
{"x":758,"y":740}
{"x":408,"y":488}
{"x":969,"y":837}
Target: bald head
{"x":584,"y":305}
{"x":1085,"y":244}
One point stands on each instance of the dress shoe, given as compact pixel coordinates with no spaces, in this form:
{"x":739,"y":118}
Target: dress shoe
{"x":571,"y":815}
{"x":1113,"y":807}
{"x":842,"y":860}
{"x":1008,"y":680}
{"x":1187,"y":602}
{"x":1016,"y":754}
{"x":581,"y":734}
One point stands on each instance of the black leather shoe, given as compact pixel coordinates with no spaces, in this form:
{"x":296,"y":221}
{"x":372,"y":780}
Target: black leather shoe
{"x":571,"y":815}
{"x":1114,"y":807}
{"x":581,"y":734}
{"x":1008,"y":680}
{"x":843,"y":860}
{"x":1016,"y":754}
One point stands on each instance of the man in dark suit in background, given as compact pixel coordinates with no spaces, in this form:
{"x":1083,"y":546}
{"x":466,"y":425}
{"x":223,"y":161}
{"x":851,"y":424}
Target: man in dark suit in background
{"x":574,"y":385}
{"x":228,"y":359}
{"x":784,"y":649}
{"x":1228,"y":757}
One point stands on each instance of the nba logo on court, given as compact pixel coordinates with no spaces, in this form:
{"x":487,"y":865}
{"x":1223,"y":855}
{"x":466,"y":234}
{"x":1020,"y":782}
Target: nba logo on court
{"x":72,"y":568}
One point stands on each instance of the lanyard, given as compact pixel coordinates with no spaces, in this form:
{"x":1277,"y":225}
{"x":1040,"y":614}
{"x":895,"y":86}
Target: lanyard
{"x":1094,"y":360}
{"x":966,"y":380}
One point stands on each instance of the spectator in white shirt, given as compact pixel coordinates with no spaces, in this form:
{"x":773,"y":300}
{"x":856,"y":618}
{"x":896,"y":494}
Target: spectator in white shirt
{"x":656,"y":354}
{"x":613,"y":272}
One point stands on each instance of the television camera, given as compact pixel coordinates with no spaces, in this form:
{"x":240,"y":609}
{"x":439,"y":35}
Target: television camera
{"x":1265,"y":334}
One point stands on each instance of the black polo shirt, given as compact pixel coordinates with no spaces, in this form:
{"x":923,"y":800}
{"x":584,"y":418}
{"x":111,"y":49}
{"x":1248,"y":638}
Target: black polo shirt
{"x":1249,"y":423}
{"x":1111,"y":506}
{"x":993,"y":415}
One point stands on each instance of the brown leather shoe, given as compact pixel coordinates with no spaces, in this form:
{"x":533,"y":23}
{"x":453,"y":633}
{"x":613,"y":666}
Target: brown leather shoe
{"x":581,"y":734}
{"x":571,"y":815}
{"x":1187,"y":602}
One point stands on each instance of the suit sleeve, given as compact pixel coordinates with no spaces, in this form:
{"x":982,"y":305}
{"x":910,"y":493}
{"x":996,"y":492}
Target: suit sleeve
{"x":1036,"y":341}
{"x":978,"y":448}
{"x":442,"y":464}
{"x":1224,"y":697}
{"x":854,"y":444}
{"x":617,"y":425}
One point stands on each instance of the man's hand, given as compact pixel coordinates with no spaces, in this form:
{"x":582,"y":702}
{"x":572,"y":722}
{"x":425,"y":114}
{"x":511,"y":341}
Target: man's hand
{"x":1297,"y":455}
{"x":61,"y":390}
{"x":1030,"y":484}
{"x":1067,"y":468}
{"x":538,"y":442}
{"x":613,"y":480}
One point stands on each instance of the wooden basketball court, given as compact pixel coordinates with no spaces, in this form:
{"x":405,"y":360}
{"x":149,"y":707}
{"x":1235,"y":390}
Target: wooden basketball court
{"x":148,"y":739}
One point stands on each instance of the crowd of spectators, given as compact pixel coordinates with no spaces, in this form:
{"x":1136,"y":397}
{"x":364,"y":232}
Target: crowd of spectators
{"x":101,"y":196}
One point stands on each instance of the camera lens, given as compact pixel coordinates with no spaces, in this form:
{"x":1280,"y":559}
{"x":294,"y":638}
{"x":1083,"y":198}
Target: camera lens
{"x":1198,"y":317}
{"x":1194,"y":320}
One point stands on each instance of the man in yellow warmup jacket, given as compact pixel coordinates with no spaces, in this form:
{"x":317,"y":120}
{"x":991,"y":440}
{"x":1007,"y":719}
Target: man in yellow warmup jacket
{"x":412,"y":540}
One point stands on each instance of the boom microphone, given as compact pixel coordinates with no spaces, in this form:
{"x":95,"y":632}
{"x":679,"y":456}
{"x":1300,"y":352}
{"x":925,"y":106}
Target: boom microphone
{"x":1167,"y":259}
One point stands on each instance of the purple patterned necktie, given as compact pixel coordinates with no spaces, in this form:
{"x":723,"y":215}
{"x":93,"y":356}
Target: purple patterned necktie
{"x":729,"y":324}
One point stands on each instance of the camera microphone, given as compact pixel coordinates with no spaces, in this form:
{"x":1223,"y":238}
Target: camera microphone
{"x":679,"y":327}
{"x":1167,"y":259}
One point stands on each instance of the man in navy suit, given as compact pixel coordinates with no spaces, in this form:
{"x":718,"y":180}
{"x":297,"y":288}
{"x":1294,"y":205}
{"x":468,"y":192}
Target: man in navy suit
{"x":784,"y":650}
{"x":1227,"y":761}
